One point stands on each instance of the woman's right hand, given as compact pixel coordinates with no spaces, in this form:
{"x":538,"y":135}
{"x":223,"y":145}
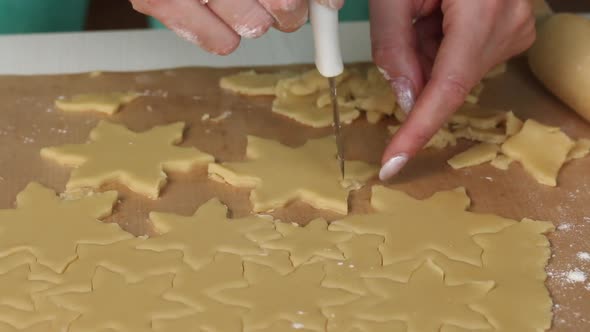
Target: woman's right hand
{"x":218,"y":25}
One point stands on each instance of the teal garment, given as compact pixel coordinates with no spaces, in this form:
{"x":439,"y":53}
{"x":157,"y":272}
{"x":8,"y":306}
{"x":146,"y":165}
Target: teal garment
{"x":29,"y":16}
{"x":353,"y":10}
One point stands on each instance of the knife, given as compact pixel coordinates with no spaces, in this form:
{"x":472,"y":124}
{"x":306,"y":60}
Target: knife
{"x":328,"y":60}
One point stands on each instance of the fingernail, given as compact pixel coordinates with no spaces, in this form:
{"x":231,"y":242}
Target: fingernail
{"x":289,"y":5}
{"x":393,"y":166}
{"x":336,"y":4}
{"x":404,"y":91}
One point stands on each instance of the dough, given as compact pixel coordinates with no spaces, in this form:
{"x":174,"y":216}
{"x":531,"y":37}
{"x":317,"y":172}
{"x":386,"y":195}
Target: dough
{"x":267,"y":297}
{"x":303,"y":109}
{"x":493,"y":136}
{"x":106,"y":157}
{"x":447,"y":303}
{"x":497,"y":70}
{"x":403,"y":242}
{"x":51,"y":228}
{"x":305,"y":243}
{"x":99,"y":311}
{"x":513,"y":124}
{"x":502,"y":162}
{"x":505,"y":270}
{"x":205,"y":233}
{"x":315,"y":180}
{"x":580,"y":150}
{"x":477,"y":117}
{"x":251,"y":83}
{"x":215,"y":317}
{"x":559,"y":59}
{"x":541,"y":150}
{"x":108,"y":103}
{"x":476,"y":155}
{"x":194,"y":287}
{"x":16,"y":288}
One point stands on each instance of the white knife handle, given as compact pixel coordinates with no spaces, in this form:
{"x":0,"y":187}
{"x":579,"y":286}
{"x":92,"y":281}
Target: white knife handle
{"x":328,"y":56}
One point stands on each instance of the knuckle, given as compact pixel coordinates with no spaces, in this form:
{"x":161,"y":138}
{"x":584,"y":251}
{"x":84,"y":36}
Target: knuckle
{"x":454,"y":87}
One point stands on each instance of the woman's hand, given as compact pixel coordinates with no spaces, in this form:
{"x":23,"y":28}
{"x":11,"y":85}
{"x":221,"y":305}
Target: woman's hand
{"x":218,"y":25}
{"x":434,"y":63}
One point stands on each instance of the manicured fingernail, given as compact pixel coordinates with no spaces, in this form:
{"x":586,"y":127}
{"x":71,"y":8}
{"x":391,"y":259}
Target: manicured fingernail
{"x":393,"y":166}
{"x":404,"y":91}
{"x":336,"y":4}
{"x":384,"y":73}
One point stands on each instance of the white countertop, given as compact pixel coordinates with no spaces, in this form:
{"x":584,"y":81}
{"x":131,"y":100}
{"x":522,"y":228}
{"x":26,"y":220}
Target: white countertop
{"x":155,"y":49}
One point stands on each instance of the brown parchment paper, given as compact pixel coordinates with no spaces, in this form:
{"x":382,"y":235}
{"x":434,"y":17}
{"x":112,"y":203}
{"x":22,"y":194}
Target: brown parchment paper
{"x":28,"y":122}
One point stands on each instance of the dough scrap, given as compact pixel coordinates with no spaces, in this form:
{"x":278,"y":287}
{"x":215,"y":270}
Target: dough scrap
{"x":106,"y":157}
{"x":305,"y":243}
{"x":107,"y":103}
{"x":51,"y":228}
{"x":315,"y":180}
{"x":205,"y":233}
{"x":265,"y":297}
{"x":98,"y":311}
{"x":541,"y":150}
{"x":251,"y":83}
{"x":476,"y":155}
{"x":305,"y":111}
{"x":493,"y":136}
{"x":502,"y":162}
{"x":447,"y":303}
{"x":513,"y":124}
{"x":477,"y":117}
{"x":580,"y":150}
{"x":496,"y":71}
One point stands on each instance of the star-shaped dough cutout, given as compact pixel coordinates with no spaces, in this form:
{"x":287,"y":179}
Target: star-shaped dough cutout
{"x":362,"y":256}
{"x":411,"y":226}
{"x":16,"y":288}
{"x":344,"y":318}
{"x":137,"y":160}
{"x":194,"y":287}
{"x":216,"y":317}
{"x":209,"y":231}
{"x":313,"y":175}
{"x":37,"y":327}
{"x":121,"y":257}
{"x":297,"y":297}
{"x":447,"y":304}
{"x":107,"y":103}
{"x":118,"y":305}
{"x":305,"y":243}
{"x":51,"y":228}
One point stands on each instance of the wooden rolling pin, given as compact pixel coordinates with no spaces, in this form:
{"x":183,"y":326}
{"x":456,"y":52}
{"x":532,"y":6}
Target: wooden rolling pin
{"x":560,"y":58}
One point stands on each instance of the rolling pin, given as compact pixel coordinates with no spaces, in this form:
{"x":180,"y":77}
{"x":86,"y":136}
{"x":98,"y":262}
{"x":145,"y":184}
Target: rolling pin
{"x":560,"y":59}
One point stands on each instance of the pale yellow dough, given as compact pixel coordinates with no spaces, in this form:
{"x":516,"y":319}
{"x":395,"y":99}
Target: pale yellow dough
{"x":315,"y":179}
{"x":251,"y":83}
{"x":559,"y":59}
{"x":395,"y":269}
{"x":502,"y":162}
{"x":541,"y":150}
{"x":51,"y":228}
{"x":138,"y":160}
{"x":580,"y":150}
{"x":108,"y":103}
{"x":476,"y":155}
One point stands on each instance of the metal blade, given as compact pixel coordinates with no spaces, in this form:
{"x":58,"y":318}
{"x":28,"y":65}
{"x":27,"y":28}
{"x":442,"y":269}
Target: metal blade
{"x":337,"y":125}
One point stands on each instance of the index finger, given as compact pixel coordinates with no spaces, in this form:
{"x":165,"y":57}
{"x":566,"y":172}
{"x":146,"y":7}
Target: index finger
{"x":457,"y":68}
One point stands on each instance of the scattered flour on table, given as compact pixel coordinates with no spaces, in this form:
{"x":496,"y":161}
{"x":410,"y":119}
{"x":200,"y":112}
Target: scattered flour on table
{"x":583,"y":256}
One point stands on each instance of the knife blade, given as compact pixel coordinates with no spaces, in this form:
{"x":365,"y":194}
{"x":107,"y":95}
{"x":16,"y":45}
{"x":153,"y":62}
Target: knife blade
{"x":337,"y":123}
